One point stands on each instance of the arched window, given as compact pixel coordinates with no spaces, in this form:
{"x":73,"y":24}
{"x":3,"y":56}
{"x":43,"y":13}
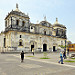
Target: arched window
{"x":6,"y":23}
{"x":23,"y":23}
{"x":57,"y":32}
{"x":20,"y":42}
{"x":17,"y":22}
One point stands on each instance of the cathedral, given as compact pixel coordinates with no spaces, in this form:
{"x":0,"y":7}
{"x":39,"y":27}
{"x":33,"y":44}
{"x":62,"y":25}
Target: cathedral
{"x":20,"y":34}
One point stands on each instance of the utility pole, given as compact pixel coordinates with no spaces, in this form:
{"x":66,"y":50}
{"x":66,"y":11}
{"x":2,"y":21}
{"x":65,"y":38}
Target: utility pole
{"x":65,"y":48}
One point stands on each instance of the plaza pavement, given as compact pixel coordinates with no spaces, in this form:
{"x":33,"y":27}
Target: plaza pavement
{"x":10,"y":65}
{"x":54,"y":58}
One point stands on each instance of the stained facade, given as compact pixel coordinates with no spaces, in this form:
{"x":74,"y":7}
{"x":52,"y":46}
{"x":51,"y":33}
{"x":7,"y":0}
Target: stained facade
{"x":21,"y":34}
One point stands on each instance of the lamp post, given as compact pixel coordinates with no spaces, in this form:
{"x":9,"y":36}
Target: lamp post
{"x":65,"y":48}
{"x":40,"y":43}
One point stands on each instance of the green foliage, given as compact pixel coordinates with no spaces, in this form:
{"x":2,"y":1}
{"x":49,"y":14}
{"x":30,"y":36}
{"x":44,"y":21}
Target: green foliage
{"x":69,"y":61}
{"x":30,"y":56}
{"x":62,"y":46}
{"x":44,"y":58}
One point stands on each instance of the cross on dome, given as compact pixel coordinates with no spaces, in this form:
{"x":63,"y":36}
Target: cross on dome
{"x":16,"y":5}
{"x":56,"y":19}
{"x":44,"y":18}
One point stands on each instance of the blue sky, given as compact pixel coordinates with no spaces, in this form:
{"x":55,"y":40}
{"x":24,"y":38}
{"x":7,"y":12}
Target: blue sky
{"x":64,"y":10}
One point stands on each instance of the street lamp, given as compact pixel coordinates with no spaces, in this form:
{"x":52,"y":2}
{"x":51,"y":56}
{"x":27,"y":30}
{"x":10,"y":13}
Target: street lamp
{"x":65,"y":48}
{"x":40,"y":42}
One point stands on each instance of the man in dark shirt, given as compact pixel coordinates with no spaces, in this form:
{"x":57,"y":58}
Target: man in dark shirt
{"x":22,"y":56}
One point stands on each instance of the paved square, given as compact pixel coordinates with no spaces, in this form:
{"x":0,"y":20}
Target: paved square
{"x":10,"y":64}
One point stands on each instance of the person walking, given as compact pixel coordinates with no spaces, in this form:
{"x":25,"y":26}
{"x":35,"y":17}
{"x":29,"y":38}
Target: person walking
{"x":64,"y":55}
{"x":61,"y":58}
{"x":68,"y":51}
{"x":33,"y":51}
{"x":22,"y":56}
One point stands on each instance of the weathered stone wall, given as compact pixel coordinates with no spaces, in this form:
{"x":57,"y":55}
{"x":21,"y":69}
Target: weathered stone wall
{"x":29,"y":39}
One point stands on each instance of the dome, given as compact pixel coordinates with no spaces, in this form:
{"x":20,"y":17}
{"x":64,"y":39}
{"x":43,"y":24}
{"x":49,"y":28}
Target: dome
{"x":17,"y":12}
{"x":58,"y":24}
{"x":45,"y":23}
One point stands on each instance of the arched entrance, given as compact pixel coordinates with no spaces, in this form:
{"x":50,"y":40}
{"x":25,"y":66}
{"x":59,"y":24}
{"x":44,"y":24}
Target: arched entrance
{"x":44,"y":47}
{"x":4,"y":42}
{"x":54,"y":49}
{"x":20,"y":42}
{"x":32,"y":46}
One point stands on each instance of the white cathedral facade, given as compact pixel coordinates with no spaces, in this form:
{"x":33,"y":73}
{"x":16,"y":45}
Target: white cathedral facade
{"x":21,"y":34}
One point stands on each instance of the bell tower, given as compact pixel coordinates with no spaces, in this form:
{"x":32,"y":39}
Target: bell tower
{"x":17,"y":20}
